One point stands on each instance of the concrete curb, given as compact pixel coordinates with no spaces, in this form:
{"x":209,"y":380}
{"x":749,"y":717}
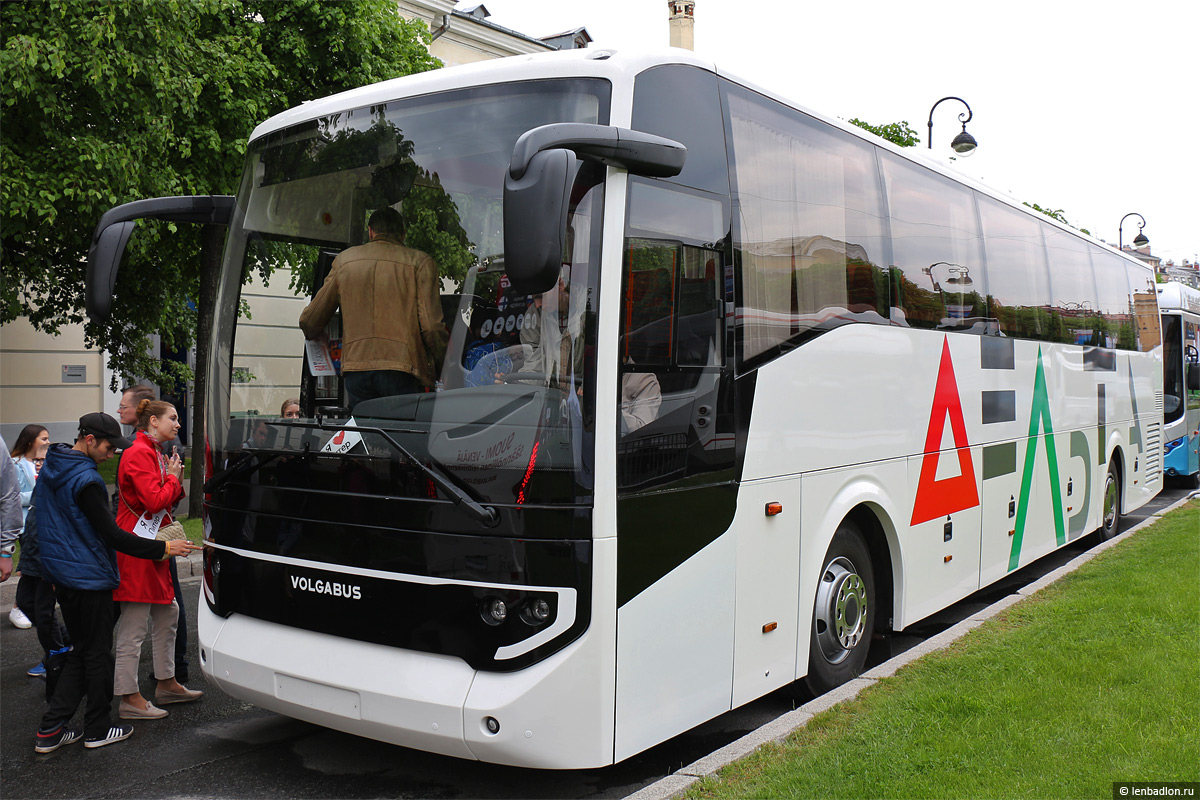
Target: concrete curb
{"x":680,"y":781}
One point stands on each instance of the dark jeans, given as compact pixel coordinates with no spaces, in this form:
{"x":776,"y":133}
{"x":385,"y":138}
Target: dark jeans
{"x":89,"y":666}
{"x":369,"y":384}
{"x":35,"y":598}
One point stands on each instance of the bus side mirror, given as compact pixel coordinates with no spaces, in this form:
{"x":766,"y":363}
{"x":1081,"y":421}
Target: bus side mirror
{"x":1193,"y":377}
{"x":537,"y":189}
{"x":535,"y":220}
{"x":113,"y":231}
{"x":104,"y":260}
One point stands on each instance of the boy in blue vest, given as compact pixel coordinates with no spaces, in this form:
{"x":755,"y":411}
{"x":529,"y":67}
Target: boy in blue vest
{"x":78,"y":539}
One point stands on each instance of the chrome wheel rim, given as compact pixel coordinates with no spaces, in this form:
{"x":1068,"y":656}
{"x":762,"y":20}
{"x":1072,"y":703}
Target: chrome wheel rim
{"x":841,"y":611}
{"x":1110,"y":502}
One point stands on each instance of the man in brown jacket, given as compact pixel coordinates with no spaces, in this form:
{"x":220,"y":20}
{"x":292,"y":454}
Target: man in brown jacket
{"x":393,"y":336}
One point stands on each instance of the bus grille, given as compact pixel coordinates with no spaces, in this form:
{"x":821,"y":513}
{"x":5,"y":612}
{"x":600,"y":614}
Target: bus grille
{"x":1154,"y":452}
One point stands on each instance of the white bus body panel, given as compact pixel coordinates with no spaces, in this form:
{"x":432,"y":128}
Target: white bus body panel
{"x":675,"y":650}
{"x":768,"y":574}
{"x":385,"y":693}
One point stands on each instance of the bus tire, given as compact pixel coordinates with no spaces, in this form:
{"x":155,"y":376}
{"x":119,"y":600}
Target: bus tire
{"x":1110,"y":504}
{"x":843,"y":614}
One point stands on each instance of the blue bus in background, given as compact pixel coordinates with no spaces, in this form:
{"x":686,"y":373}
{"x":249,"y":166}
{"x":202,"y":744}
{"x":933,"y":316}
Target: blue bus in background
{"x":1180,"y":307}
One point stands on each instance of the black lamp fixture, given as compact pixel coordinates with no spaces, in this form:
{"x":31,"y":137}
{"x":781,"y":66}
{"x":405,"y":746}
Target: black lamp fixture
{"x":964,"y":143}
{"x":959,"y":276}
{"x":1138,"y":241}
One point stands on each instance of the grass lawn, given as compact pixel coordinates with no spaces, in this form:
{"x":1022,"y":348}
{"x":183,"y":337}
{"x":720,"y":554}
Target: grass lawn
{"x":195,"y":529}
{"x":1093,"y":680}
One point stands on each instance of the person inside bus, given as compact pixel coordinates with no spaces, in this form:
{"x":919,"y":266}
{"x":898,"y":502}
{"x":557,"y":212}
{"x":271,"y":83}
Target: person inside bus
{"x":260,"y":434}
{"x":290,"y":408}
{"x":641,"y":399}
{"x":394,"y":335}
{"x":553,"y":334}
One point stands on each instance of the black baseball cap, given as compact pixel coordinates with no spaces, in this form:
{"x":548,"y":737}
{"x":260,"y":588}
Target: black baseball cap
{"x":102,"y":426}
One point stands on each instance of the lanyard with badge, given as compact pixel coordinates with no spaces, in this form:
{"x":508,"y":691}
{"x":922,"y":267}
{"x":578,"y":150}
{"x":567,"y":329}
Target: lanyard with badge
{"x":148,"y":524}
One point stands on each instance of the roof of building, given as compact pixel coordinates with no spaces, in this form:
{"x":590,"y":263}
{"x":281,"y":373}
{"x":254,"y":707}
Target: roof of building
{"x":478,"y":15}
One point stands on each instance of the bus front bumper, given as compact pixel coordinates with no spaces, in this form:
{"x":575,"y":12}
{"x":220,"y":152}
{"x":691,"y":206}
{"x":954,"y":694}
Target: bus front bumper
{"x":392,"y":695}
{"x":556,"y":714}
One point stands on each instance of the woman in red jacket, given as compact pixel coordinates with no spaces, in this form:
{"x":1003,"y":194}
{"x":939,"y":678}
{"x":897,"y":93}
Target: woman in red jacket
{"x":150,"y":485}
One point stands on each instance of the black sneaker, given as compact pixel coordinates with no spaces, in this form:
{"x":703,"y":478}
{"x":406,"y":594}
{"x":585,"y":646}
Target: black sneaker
{"x":116,"y":733}
{"x":49,"y":742}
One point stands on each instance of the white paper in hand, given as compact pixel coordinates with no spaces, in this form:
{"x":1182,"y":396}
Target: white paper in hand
{"x":320,"y":363}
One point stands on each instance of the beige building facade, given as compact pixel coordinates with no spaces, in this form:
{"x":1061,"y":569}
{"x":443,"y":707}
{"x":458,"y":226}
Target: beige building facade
{"x":50,"y":380}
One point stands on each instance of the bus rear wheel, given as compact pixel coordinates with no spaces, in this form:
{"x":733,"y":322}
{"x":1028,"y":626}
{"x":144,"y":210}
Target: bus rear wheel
{"x":843,"y":614}
{"x":1111,"y":504}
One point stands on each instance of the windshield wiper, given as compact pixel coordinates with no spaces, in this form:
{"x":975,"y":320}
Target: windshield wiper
{"x":484,"y":514}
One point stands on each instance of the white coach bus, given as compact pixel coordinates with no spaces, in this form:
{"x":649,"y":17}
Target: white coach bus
{"x":1180,"y":306}
{"x":729,"y":387}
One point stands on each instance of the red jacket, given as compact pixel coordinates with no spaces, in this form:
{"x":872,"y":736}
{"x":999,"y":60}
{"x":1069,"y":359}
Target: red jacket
{"x":145,"y":485}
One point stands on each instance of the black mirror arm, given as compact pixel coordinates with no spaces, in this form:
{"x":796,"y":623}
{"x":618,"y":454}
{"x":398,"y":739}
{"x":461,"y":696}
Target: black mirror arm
{"x":216,"y":209}
{"x":641,"y":153}
{"x":113,"y":231}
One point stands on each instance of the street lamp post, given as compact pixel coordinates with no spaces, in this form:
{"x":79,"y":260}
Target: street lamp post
{"x":1138,"y":241}
{"x":964,"y":143}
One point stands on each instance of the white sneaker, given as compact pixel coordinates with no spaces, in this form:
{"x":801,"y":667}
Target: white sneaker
{"x":18,"y":619}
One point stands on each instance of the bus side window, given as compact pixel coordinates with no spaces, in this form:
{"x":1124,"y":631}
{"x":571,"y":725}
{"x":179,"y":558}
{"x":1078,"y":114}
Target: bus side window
{"x":670,"y":306}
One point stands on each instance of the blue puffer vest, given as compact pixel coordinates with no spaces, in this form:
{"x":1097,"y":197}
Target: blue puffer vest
{"x":72,"y":554}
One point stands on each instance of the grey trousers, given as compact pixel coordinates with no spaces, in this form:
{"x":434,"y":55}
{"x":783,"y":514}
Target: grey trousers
{"x":162,"y":620}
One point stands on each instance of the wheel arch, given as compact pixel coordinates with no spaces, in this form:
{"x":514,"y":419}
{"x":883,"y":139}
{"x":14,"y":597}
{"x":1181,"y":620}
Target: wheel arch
{"x":1116,"y":457}
{"x":864,"y":500}
{"x":883,"y":544}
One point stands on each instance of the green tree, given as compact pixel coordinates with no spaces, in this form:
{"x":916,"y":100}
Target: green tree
{"x":1057,"y":214}
{"x":899,"y":133}
{"x":108,"y":102}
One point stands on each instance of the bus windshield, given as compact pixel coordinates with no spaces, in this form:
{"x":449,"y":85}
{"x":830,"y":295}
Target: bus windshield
{"x":505,"y":415}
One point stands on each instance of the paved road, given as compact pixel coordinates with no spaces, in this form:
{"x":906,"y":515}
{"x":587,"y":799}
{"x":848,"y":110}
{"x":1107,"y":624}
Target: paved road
{"x":220,"y":747}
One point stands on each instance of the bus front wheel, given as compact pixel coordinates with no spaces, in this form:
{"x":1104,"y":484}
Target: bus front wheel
{"x":844,"y":612}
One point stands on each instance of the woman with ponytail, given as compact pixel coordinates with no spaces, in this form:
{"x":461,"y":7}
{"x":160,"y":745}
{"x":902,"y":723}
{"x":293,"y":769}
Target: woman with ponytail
{"x":149,"y":484}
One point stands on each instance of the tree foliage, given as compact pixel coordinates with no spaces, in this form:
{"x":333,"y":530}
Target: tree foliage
{"x":108,"y":102}
{"x":899,"y":133}
{"x":1057,"y":214}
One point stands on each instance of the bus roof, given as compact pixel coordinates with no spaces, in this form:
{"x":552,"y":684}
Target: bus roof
{"x":1175,"y":296}
{"x":620,"y":67}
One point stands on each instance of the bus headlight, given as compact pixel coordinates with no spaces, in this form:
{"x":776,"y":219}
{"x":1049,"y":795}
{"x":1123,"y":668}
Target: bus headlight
{"x":535,"y":612}
{"x":495,"y":611}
